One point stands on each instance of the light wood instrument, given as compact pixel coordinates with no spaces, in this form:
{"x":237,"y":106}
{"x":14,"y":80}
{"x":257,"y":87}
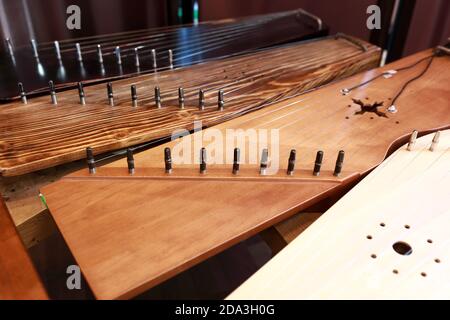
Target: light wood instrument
{"x":18,"y":277}
{"x":40,"y":134}
{"x":129,"y":232}
{"x":385,"y":239}
{"x":127,"y":54}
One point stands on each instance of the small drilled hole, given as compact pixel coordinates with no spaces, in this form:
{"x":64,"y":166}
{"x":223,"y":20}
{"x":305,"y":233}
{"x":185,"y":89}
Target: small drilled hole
{"x":395,"y":271}
{"x":371,"y":117}
{"x":347,"y":118}
{"x":407,"y":226}
{"x":437,"y":260}
{"x":373,"y":256}
{"x":369,"y":237}
{"x":349,"y":105}
{"x":402,"y":248}
{"x":382,"y":224}
{"x":423,"y":274}
{"x":430,"y":241}
{"x":397,"y":122}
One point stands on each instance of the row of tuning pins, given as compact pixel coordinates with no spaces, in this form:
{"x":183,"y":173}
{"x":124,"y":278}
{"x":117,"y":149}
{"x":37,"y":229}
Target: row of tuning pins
{"x":413,"y":138}
{"x":134,"y":96}
{"x":117,"y":52}
{"x":236,"y":162}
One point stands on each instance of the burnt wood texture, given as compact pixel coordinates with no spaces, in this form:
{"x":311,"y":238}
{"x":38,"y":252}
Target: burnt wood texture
{"x":40,"y":134}
{"x":131,"y":232}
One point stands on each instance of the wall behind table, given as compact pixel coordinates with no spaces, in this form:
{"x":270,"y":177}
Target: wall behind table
{"x":45,"y":20}
{"x":430,"y":24}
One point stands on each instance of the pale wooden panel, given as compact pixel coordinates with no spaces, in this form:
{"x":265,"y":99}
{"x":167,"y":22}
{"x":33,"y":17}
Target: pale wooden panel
{"x":407,"y":199}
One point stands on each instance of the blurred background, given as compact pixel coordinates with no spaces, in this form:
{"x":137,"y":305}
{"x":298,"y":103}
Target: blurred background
{"x":414,"y":24}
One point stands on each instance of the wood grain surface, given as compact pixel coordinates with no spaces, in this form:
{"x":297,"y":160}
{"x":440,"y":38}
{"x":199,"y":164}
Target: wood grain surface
{"x":40,"y":135}
{"x":130,"y":232}
{"x":348,"y":253}
{"x":18,"y":277}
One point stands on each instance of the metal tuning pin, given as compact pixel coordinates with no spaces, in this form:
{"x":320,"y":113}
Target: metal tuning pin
{"x":99,"y":54}
{"x":51,"y":87}
{"x":318,"y":163}
{"x":201,"y":99}
{"x":34,"y":48}
{"x":118,"y":55}
{"x":167,"y":160}
{"x":134,"y":95}
{"x":264,"y":161}
{"x":181,"y":98}
{"x":435,"y":141}
{"x":345,"y":91}
{"x":22,"y":94}
{"x":236,"y":160}
{"x":170,"y":59}
{"x":158,"y":97}
{"x":79,"y":54}
{"x":81,"y":93}
{"x":109,"y":89}
{"x":136,"y":57}
{"x":412,"y":140}
{"x":130,"y":161}
{"x":57,"y":50}
{"x":202,"y":160}
{"x":9,"y":46}
{"x":291,"y":163}
{"x":90,"y":160}
{"x":339,"y":163}
{"x":154,"y":58}
{"x":392,"y":109}
{"x":220,"y":101}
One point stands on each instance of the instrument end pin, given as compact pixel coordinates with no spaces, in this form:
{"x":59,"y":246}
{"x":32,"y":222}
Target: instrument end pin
{"x":130,"y":161}
{"x":202,"y":160}
{"x":264,"y":162}
{"x":339,"y":163}
{"x":291,"y":163}
{"x":412,"y":140}
{"x":236,"y":160}
{"x":318,"y":163}
{"x":90,"y":160}
{"x":167,"y":160}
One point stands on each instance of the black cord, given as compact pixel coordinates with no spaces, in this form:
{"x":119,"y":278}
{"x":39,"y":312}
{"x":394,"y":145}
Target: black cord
{"x":413,"y":79}
{"x":386,"y":72}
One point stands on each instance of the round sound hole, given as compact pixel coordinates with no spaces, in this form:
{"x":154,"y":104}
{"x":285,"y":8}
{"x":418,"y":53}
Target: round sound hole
{"x":402,"y":248}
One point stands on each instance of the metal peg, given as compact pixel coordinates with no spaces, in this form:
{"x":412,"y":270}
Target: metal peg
{"x":318,"y":163}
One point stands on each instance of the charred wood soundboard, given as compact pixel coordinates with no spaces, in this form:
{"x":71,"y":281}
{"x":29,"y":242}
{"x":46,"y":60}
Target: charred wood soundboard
{"x":132,"y":229}
{"x":52,"y":130}
{"x":98,"y":58}
{"x":385,"y":239}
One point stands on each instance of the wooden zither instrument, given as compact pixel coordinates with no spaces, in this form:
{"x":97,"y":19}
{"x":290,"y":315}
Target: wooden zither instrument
{"x":93,"y":59}
{"x":45,"y":131}
{"x":385,"y":239}
{"x":135,"y":222}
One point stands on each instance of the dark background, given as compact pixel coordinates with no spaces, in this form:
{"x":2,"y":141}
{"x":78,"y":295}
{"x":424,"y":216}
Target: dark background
{"x":427,"y":22}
